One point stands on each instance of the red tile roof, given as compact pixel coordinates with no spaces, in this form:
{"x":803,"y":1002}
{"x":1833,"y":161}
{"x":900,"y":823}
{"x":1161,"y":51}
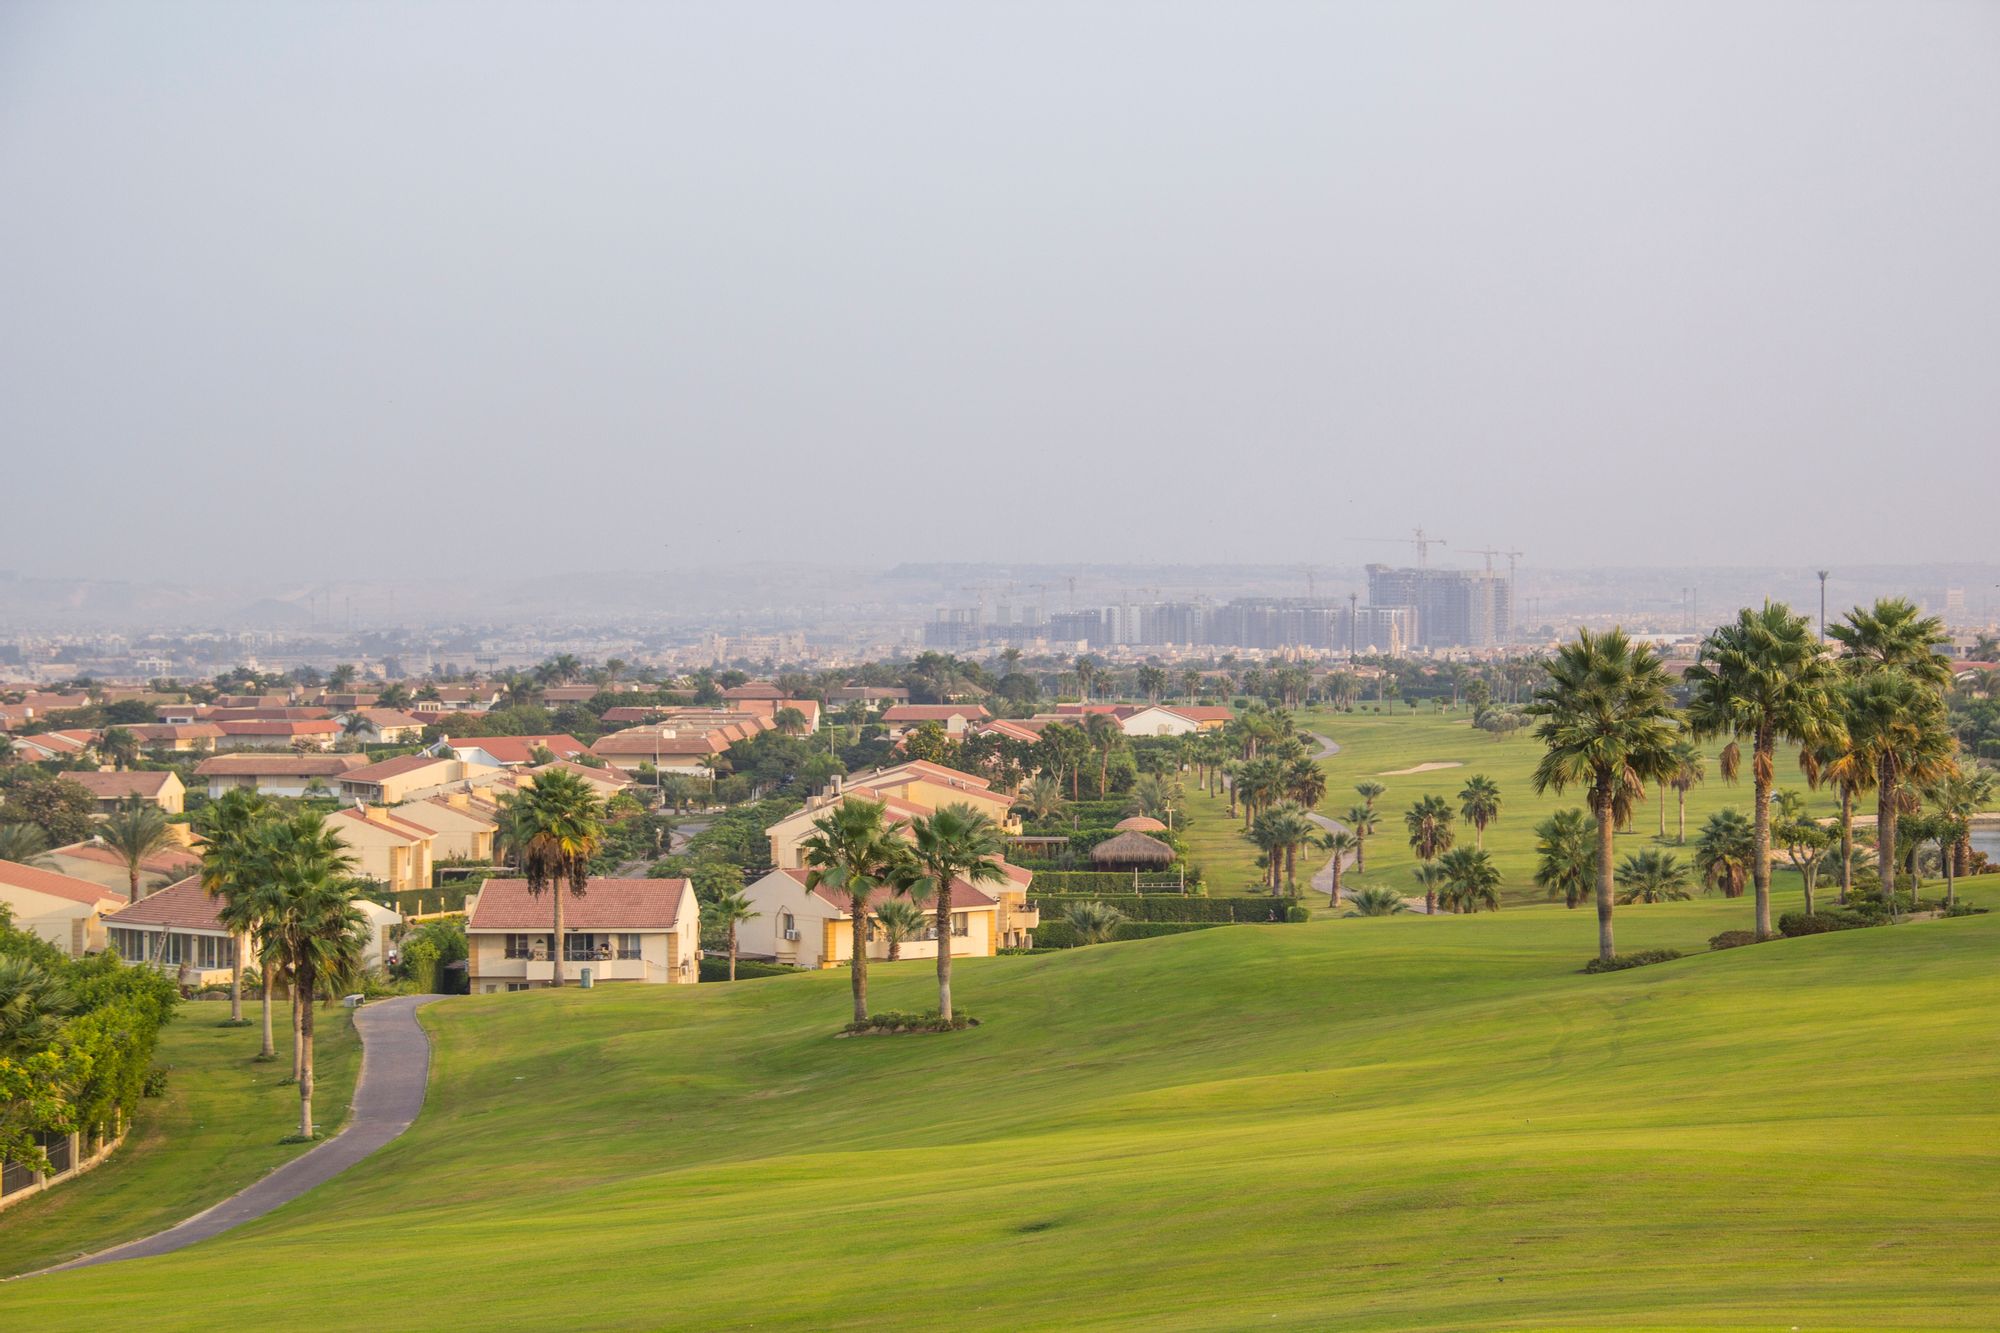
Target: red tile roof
{"x":16,"y":875}
{"x":511,"y":750}
{"x":1201,"y":712}
{"x":384,"y":769}
{"x":117,"y":786}
{"x":311,"y":727}
{"x":166,"y":861}
{"x":934,"y":712}
{"x":756,"y":689}
{"x":175,"y":731}
{"x":962,"y":895}
{"x":279,"y":765}
{"x":181,"y":906}
{"x":607,"y":904}
{"x":387,"y":821}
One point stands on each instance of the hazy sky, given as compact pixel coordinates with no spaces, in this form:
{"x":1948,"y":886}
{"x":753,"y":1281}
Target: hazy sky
{"x":366,"y":288}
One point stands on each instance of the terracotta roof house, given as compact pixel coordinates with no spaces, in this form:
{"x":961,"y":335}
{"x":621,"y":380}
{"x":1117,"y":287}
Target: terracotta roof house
{"x":755,"y":689}
{"x":94,"y":861}
{"x":1008,"y":729}
{"x":271,"y":734}
{"x":162,"y":788}
{"x":642,"y":930}
{"x":462,"y":832}
{"x":1206,"y":717}
{"x":382,"y":726}
{"x":867,"y":694}
{"x":54,"y":745}
{"x":177,"y":930}
{"x":276,"y":774}
{"x":625,"y":713}
{"x":390,"y":846}
{"x":67,"y":912}
{"x":666,"y":747}
{"x":954,"y":718}
{"x":182,"y":737}
{"x":814,"y":927}
{"x":608,"y":780}
{"x":411,"y":777}
{"x":1157,"y":721}
{"x":512,"y":751}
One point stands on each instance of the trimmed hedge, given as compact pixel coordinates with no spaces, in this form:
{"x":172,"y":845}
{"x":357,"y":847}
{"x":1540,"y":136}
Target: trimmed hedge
{"x":1146,"y":930}
{"x":1626,"y":960}
{"x":1081,"y":883}
{"x":1056,"y":934}
{"x":1168,"y":906}
{"x":717,"y":969}
{"x":1732,"y":939}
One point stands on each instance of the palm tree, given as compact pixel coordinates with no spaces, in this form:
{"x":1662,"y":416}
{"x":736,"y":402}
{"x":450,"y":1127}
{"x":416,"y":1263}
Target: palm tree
{"x":1479,"y":803}
{"x":1429,"y":826}
{"x":33,"y":1004}
{"x":1104,"y":735}
{"x":556,"y":824}
{"x":1305,"y":783}
{"x":1043,"y":797}
{"x":1566,"y":856}
{"x":1961,"y":794}
{"x":952,"y":844}
{"x":898,"y":919}
{"x":1690,"y":767}
{"x":1292,"y":831}
{"x":229,"y":827}
{"x":1368,"y":789}
{"x":789,"y":722}
{"x":1764,"y":679}
{"x":1430,"y":878}
{"x":1471,"y":880}
{"x":1609,"y":727}
{"x":1652,"y":876}
{"x":1894,"y":635}
{"x":119,"y":746}
{"x":1725,"y":851}
{"x":1376,"y":901}
{"x":1095,"y":923}
{"x":1898,"y":724}
{"x":1342,"y":844}
{"x":24,"y":844}
{"x":1361,"y":821}
{"x":1156,"y":796}
{"x":726,"y":913}
{"x":851,"y":853}
{"x":135,"y":831}
{"x":354,"y":726}
{"x":319,"y":934}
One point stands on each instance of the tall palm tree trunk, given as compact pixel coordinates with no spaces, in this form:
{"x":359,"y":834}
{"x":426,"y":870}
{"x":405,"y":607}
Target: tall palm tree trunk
{"x":1663,"y":812}
{"x":944,"y":948}
{"x":556,"y":942}
{"x":270,"y":1049}
{"x":1885,"y":835}
{"x":1607,"y":847}
{"x":1846,"y":843}
{"x":1681,"y":799}
{"x":298,"y":1034}
{"x":1760,"y":866}
{"x":310,"y":983}
{"x":858,"y":965}
{"x":1333,"y":894}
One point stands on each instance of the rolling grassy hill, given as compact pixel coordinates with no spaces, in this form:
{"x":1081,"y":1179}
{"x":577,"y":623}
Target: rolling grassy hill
{"x":1354,"y":1124}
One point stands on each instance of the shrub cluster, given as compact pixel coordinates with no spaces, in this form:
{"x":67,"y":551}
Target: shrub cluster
{"x":1732,"y":939}
{"x":1169,"y":907}
{"x":890,"y":1020}
{"x":1794,"y":924}
{"x":1625,"y":960}
{"x":713,"y":968}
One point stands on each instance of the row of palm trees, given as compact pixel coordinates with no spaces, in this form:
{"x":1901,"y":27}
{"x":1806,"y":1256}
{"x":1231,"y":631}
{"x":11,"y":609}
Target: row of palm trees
{"x":856,"y":853}
{"x":1871,"y":718}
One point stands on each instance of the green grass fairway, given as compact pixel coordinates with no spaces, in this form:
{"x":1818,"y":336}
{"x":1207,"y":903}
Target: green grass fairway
{"x":1402,"y":1123}
{"x":215,"y":1131}
{"x":1374,"y":744}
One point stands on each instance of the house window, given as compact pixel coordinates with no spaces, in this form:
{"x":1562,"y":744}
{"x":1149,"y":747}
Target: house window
{"x":789,"y":924}
{"x":629,"y":946}
{"x":513,"y":986}
{"x":522,"y":946}
{"x":961,"y":924}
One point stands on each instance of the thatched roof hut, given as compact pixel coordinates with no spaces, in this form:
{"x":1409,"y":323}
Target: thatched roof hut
{"x":1131,"y":851}
{"x":1141,"y":824}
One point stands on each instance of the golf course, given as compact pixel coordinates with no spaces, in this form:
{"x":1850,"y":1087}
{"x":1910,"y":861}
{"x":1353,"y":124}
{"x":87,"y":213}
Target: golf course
{"x":1393,"y":1123}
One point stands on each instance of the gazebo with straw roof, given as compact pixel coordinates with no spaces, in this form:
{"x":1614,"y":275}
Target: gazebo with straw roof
{"x":1140,"y":824}
{"x":1131,"y":851}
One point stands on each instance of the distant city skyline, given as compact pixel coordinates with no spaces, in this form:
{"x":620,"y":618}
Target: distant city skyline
{"x":383,"y":291}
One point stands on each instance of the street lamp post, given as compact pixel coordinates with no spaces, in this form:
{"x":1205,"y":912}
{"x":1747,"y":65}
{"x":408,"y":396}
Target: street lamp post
{"x":1822,"y":605}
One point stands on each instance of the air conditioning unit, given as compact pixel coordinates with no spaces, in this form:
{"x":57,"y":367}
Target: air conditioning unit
{"x":792,"y":935}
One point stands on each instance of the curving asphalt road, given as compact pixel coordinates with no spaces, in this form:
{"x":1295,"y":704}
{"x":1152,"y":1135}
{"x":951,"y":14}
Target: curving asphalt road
{"x":395,"y":1065}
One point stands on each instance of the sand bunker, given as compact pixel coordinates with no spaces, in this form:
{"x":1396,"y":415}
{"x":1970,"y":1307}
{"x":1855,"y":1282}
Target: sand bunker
{"x":1420,"y":768}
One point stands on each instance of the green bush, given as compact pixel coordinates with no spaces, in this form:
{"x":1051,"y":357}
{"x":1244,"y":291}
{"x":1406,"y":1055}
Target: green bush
{"x":1626,"y":960}
{"x":1793,"y":924}
{"x":1169,"y":906}
{"x":890,"y":1020}
{"x":717,"y":969}
{"x":1732,"y":939}
{"x":1058,"y":934}
{"x":1297,"y":913}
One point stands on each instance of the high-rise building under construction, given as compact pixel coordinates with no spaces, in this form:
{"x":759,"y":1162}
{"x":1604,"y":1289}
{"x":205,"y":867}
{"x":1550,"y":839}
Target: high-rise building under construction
{"x":1449,"y":608}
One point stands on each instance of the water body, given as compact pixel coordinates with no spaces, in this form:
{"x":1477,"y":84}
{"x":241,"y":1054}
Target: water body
{"x":1987,"y":840}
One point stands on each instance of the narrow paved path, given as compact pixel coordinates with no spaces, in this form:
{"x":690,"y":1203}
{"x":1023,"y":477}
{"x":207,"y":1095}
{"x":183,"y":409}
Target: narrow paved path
{"x":395,"y":1065}
{"x":1327,"y":745}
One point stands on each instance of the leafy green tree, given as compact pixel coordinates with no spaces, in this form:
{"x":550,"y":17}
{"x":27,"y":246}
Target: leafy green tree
{"x":953,"y":843}
{"x":1609,"y":727}
{"x":1479,"y":803}
{"x":62,"y":810}
{"x":557,"y":825}
{"x":1471,"y":880}
{"x":1764,"y":680}
{"x":1566,"y":856}
{"x":851,"y":853}
{"x":34,"y":1001}
{"x":1804,"y":841}
{"x":134,"y":831}
{"x":1376,"y":901}
{"x":1652,"y":876}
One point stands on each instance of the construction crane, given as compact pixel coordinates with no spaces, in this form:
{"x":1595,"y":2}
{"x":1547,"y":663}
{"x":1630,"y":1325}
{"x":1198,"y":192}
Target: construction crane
{"x":1422,"y":542}
{"x":1489,"y":553}
{"x":1312,"y":589}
